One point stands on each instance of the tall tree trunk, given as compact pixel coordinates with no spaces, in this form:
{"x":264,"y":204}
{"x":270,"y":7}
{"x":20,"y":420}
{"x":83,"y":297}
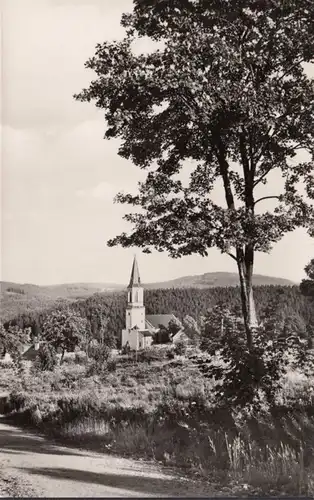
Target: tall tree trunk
{"x":244,"y":256}
{"x":245,"y":269}
{"x":249,"y":265}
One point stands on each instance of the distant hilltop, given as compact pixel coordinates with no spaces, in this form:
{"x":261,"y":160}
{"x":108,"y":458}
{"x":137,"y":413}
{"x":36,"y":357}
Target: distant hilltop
{"x":218,"y":279}
{"x":72,"y":290}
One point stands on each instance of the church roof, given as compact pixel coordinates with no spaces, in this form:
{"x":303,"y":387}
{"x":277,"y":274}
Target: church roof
{"x":135,"y":279}
{"x":156,"y":320}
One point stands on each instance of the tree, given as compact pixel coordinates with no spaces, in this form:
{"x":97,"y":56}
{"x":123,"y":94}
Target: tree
{"x":162,"y":335}
{"x":64,"y":329}
{"x":180,"y":348}
{"x":106,"y":335}
{"x":251,"y":378}
{"x":11,"y":340}
{"x":191,"y":329}
{"x":166,"y":333}
{"x":46,"y":359}
{"x":174,"y":326}
{"x":307,"y":285}
{"x":224,"y":99}
{"x":215,"y":323}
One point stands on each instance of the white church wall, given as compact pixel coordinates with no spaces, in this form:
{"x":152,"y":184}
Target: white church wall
{"x":132,"y":337}
{"x":135,"y":316}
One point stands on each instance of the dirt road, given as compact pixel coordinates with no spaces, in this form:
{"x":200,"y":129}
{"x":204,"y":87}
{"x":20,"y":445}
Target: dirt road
{"x":32,"y":465}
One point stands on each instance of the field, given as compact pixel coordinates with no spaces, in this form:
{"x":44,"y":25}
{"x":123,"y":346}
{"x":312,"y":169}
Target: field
{"x":163,"y":409}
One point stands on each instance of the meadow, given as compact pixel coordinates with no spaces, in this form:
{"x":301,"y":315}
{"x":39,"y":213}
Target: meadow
{"x":160,"y":407}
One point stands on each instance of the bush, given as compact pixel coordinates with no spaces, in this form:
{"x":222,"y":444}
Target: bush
{"x":126,"y":349}
{"x":251,"y":378}
{"x":100,"y":353}
{"x":180,"y":348}
{"x":80,"y":358}
{"x":170,"y":353}
{"x":46,"y":359}
{"x":111,"y":365}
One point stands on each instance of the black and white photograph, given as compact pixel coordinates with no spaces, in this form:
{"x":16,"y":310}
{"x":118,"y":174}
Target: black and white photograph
{"x":157,"y":249}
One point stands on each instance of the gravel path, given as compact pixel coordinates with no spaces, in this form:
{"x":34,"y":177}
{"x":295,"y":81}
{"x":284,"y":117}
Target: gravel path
{"x":31,"y":465}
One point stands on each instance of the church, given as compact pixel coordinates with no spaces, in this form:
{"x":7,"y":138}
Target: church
{"x":140,"y":329}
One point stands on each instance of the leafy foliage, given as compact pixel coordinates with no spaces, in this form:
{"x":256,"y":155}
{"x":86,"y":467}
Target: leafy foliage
{"x":64,"y":329}
{"x":307,"y":285}
{"x":100,"y":353}
{"x":165,"y":333}
{"x":180,"y":348}
{"x":249,"y":378}
{"x":282,"y":301}
{"x":192,"y":329}
{"x":46,"y":359}
{"x":11,"y":340}
{"x":224,"y":100}
{"x":100,"y":356}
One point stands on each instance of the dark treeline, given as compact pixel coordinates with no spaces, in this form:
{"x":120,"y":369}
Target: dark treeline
{"x":283,"y":301}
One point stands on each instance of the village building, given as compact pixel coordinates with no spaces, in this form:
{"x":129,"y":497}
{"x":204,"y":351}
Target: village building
{"x":140,"y":330}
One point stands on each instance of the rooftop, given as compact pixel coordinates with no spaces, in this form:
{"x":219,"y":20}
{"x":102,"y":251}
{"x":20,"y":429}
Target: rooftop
{"x":135,"y":279}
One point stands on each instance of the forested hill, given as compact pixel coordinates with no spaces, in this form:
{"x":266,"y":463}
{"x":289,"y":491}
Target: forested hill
{"x":75,"y":290}
{"x":218,"y":279}
{"x":287,"y":301}
{"x":17,"y":298}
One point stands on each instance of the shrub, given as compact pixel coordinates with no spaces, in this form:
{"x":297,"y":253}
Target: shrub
{"x":100,"y":353}
{"x":80,"y":358}
{"x":46,"y":359}
{"x":250,"y":378}
{"x":111,"y":365}
{"x":126,"y":349}
{"x":180,"y":348}
{"x":170,"y":353}
{"x":64,"y":329}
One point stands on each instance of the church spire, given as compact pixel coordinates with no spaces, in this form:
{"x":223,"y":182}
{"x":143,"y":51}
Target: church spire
{"x":135,"y":279}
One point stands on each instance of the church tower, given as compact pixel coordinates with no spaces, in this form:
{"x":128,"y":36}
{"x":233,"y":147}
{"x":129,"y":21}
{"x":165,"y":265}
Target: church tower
{"x":135,"y":311}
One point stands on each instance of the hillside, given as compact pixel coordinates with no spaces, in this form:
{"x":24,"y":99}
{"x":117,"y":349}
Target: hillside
{"x":218,"y":279}
{"x":17,"y":298}
{"x":76,"y":290}
{"x":67,"y":290}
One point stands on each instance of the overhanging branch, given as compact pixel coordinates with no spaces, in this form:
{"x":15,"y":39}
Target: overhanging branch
{"x":266,"y":198}
{"x":232,"y":256}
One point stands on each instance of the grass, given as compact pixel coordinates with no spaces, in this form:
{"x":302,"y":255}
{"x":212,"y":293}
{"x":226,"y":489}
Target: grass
{"x":164,"y":410}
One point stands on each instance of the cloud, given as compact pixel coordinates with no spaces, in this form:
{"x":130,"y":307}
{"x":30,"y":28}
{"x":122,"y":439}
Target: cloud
{"x":45,"y":46}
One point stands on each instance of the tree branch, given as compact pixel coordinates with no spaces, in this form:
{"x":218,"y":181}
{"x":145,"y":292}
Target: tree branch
{"x":232,"y":256}
{"x":263,"y":175}
{"x":266,"y":198}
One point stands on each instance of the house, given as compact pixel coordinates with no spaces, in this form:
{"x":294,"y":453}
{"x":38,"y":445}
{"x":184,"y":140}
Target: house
{"x":24,"y":350}
{"x":180,"y":336}
{"x":31,"y":352}
{"x":157,"y":321}
{"x":140,"y":330}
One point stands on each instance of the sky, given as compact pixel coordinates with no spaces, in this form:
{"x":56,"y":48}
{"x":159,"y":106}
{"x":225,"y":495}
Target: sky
{"x":59,"y":176}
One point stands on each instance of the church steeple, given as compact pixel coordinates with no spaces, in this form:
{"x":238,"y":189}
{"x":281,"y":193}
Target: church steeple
{"x":135,"y":311}
{"x":135,"y":280}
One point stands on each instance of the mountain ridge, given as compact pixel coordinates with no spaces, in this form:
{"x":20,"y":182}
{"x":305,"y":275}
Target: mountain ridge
{"x":205,"y":280}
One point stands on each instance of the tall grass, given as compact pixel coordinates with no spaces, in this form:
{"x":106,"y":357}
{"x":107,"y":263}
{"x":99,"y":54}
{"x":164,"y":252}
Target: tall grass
{"x":274,"y":469}
{"x":236,"y":461}
{"x":164,"y":410}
